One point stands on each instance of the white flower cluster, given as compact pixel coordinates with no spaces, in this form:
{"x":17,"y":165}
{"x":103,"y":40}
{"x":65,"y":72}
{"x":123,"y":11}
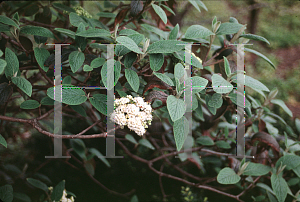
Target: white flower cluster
{"x":65,"y":199}
{"x":133,"y":112}
{"x":80,"y":11}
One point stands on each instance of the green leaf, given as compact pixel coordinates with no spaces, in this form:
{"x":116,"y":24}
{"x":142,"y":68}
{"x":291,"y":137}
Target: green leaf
{"x":37,"y":184}
{"x":213,"y":110}
{"x":133,"y":79}
{"x":193,"y":2}
{"x":233,"y":20}
{"x":89,"y":167}
{"x":47,"y":101}
{"x":79,"y":109}
{"x":12,"y":65}
{"x":99,"y":155}
{"x":38,"y":31}
{"x":2,"y":65}
{"x":121,"y":50}
{"x":197,"y":31}
{"x":291,"y":161}
{"x":176,"y":107}
{"x":255,"y":37}
{"x":164,"y":78}
{"x":297,"y":123}
{"x":205,"y":140}
{"x":222,"y":144}
{"x":1,"y":53}
{"x":228,"y":176}
{"x":93,"y":32}
{"x":216,"y":100}
{"x":260,"y":55}
{"x":129,"y":43}
{"x":3,"y":141}
{"x":283,"y":106}
{"x":6,"y":193}
{"x":201,"y":4}
{"x":63,"y":7}
{"x":293,"y":146}
{"x":155,"y":30}
{"x":79,"y":147}
{"x":87,"y":68}
{"x":41,"y":55}
{"x":239,"y":99}
{"x":173,"y":34}
{"x":130,"y":138}
{"x":181,"y":130}
{"x":198,"y":83}
{"x":75,"y":20}
{"x":21,"y":197}
{"x":58,"y":191}
{"x":146,"y":143}
{"x":127,"y":32}
{"x":228,"y":28}
{"x":179,"y":72}
{"x":23,"y":84}
{"x":168,"y":9}
{"x":252,"y":83}
{"x":134,"y":198}
{"x":99,"y":101}
{"x":7,"y":21}
{"x":220,"y":85}
{"x":116,"y":70}
{"x":256,"y":169}
{"x":160,"y":12}
{"x":227,"y":67}
{"x":97,"y":62}
{"x":70,"y":96}
{"x":166,"y":46}
{"x":156,"y":61}
{"x":106,"y":14}
{"x":67,"y":80}
{"x":66,"y":32}
{"x":4,"y":28}
{"x":129,"y":59}
{"x":30,"y":104}
{"x":279,"y":187}
{"x":76,"y":59}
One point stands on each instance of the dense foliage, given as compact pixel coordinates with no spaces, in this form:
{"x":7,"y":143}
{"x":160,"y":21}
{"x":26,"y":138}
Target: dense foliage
{"x":164,"y":163}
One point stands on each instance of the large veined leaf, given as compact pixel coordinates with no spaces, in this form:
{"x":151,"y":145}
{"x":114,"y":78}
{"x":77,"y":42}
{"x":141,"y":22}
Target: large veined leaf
{"x":253,"y":83}
{"x":112,"y":71}
{"x":121,"y":50}
{"x":38,"y":31}
{"x":216,"y":100}
{"x":37,"y":184}
{"x":146,"y":143}
{"x":58,"y":190}
{"x":75,"y":20}
{"x":66,"y":32}
{"x":179,"y":72}
{"x":23,"y":84}
{"x":174,"y":33}
{"x":166,"y":46}
{"x":95,"y":152}
{"x":291,"y":161}
{"x":156,"y":61}
{"x":279,"y":187}
{"x":12,"y":65}
{"x":239,"y":100}
{"x":76,"y":59}
{"x":176,"y":107}
{"x":30,"y":104}
{"x":160,"y":12}
{"x":133,"y":79}
{"x":226,"y":66}
{"x":197,"y":31}
{"x":8,"y":21}
{"x":205,"y":140}
{"x":228,"y":28}
{"x":260,"y":55}
{"x":41,"y":55}
{"x":164,"y":78}
{"x":155,"y":30}
{"x":198,"y":83}
{"x":79,"y":109}
{"x":93,"y":32}
{"x":256,"y":169}
{"x":195,"y":61}
{"x":70,"y":95}
{"x":283,"y":106}
{"x":181,"y":130}
{"x":228,"y":176}
{"x":220,"y":85}
{"x":129,"y":43}
{"x":255,"y":37}
{"x":99,"y":101}
{"x":6,"y":193}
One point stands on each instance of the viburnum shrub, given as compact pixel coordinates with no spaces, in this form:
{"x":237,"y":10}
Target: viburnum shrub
{"x":180,"y":86}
